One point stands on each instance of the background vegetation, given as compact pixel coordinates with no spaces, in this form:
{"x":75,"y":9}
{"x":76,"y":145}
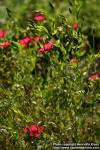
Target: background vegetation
{"x":50,"y":88}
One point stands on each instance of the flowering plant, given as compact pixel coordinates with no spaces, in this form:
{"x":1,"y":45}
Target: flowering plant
{"x":33,"y":132}
{"x":49,"y":74}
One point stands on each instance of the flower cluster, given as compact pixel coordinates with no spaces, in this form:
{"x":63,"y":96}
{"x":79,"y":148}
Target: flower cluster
{"x":47,"y":47}
{"x":5,"y":44}
{"x":2,"y":34}
{"x":34,"y":132}
{"x":38,"y":38}
{"x":75,"y":26}
{"x":25,"y":41}
{"x":38,"y":17}
{"x":94,"y":76}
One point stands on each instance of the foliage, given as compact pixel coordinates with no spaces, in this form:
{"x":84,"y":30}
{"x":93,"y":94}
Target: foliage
{"x":49,"y":87}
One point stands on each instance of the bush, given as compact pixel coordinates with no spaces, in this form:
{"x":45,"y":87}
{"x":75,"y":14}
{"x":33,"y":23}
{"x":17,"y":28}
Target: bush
{"x":46,"y":79}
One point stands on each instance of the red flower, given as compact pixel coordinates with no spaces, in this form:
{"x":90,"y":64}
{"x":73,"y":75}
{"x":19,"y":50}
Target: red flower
{"x":39,"y":18}
{"x":94,"y":76}
{"x":34,"y":131}
{"x":25,"y":41}
{"x":75,"y":26}
{"x":47,"y":47}
{"x":39,"y":132}
{"x":5,"y":44}
{"x":2,"y":34}
{"x":25,"y":130}
{"x":73,"y":60}
{"x":41,"y":128}
{"x":42,"y":50}
{"x":38,"y":38}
